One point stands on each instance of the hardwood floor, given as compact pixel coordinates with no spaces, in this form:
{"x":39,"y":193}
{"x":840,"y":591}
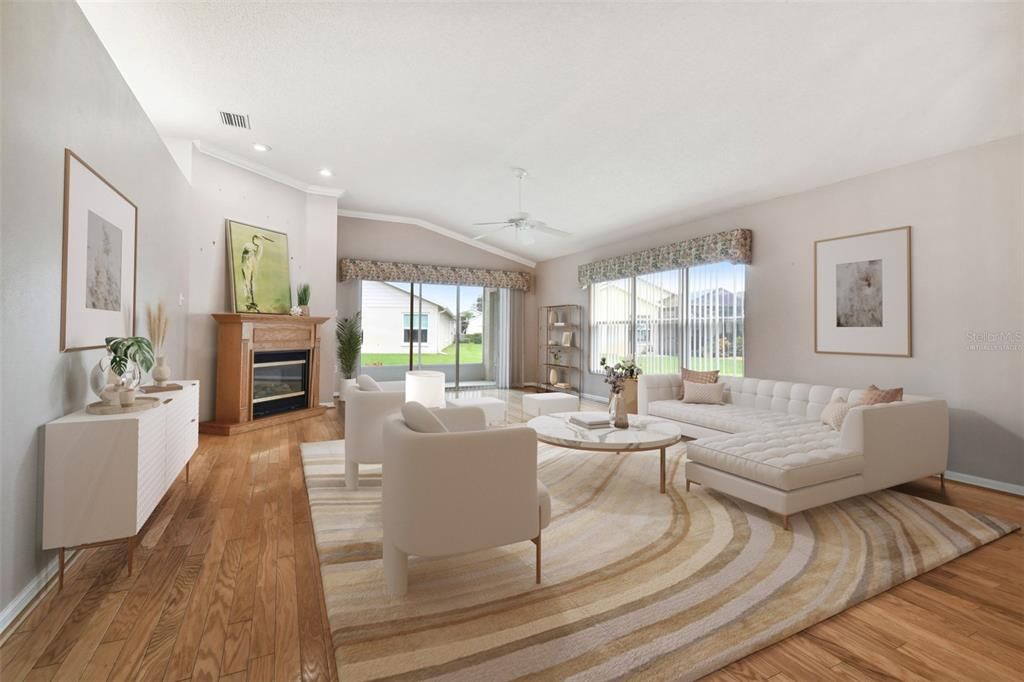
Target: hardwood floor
{"x":227,"y":587}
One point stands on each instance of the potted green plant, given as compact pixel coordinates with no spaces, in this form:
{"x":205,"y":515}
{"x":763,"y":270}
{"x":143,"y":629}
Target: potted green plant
{"x":130,"y":356}
{"x":349,"y":332}
{"x":302,"y":294}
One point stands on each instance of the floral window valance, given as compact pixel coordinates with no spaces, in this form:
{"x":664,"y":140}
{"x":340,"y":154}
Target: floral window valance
{"x":382,"y":271}
{"x":734,"y":246}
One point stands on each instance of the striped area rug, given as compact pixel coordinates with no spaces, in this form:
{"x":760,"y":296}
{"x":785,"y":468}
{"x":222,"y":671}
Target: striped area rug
{"x":635,"y":583}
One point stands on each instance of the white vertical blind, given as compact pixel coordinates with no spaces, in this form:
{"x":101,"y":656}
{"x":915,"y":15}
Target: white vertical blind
{"x":691,"y":317}
{"x":657,"y":334}
{"x":714,"y":319}
{"x":611,"y":321}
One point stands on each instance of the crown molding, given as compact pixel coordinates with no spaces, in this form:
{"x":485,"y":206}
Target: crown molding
{"x":270,"y":174}
{"x":451,"y":234}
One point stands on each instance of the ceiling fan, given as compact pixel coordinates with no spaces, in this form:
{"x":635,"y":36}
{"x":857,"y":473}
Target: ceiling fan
{"x":525,"y":227}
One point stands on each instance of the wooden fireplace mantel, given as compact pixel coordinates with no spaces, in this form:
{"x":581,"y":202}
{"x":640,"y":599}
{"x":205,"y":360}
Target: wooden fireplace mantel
{"x":239,"y":336}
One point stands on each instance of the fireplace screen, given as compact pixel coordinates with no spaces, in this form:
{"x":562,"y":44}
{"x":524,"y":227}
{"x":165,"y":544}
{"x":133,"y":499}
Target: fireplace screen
{"x":279,"y":382}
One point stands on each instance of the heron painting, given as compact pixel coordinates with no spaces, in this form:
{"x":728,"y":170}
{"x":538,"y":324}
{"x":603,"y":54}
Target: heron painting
{"x":260,"y":281}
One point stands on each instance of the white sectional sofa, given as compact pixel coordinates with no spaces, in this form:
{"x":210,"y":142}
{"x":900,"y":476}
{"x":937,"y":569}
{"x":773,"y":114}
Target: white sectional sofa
{"x":767,"y":445}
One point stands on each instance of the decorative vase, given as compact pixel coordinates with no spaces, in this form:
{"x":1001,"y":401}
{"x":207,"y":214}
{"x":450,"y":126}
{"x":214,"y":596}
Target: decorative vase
{"x":620,"y":418}
{"x":161,"y":371}
{"x":552,"y":317}
{"x":101,"y":378}
{"x":131,"y":378}
{"x":126,"y":396}
{"x":305,"y":310}
{"x":553,"y":377}
{"x":109,"y":394}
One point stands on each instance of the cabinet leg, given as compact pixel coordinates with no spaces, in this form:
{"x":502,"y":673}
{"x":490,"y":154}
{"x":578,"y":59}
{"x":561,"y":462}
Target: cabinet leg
{"x":186,"y":470}
{"x":60,"y":559}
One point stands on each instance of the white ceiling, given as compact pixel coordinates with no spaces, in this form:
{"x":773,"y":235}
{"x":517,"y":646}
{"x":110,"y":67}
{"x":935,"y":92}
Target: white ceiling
{"x":629,"y":117}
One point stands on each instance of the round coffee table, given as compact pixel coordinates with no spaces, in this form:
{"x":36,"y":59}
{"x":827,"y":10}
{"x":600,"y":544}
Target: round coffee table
{"x":644,"y":433}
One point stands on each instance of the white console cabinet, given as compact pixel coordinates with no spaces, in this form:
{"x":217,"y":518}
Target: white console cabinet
{"x":104,"y":475}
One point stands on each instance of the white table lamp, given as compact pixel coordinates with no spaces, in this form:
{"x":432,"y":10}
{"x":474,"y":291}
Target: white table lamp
{"x":426,"y":388}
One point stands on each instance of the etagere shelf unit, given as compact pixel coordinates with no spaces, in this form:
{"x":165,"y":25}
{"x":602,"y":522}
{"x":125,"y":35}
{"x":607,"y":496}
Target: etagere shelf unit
{"x":562,"y":348}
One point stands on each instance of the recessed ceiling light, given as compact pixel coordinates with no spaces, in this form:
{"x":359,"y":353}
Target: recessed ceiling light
{"x":326,"y":172}
{"x":261,"y":147}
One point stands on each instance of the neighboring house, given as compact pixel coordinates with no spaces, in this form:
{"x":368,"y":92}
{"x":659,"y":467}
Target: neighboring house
{"x":388,"y":326}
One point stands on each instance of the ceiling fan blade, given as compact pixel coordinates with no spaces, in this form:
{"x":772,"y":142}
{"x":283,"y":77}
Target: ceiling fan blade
{"x":491,"y":232}
{"x":546,"y":229}
{"x":500,"y":222}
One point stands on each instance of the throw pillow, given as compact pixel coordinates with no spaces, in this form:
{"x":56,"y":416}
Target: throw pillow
{"x":835,"y":413}
{"x":697,"y":378}
{"x":366,"y":383}
{"x":421,"y":420}
{"x":875,"y":395}
{"x":705,"y":394}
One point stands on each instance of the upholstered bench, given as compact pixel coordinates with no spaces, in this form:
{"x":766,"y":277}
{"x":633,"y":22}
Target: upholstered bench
{"x":493,"y":408}
{"x":536,"y":404}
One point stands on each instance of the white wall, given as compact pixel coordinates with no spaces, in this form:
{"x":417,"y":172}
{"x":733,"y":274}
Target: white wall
{"x":968,"y":276}
{"x":224,"y":191}
{"x":60,"y":89}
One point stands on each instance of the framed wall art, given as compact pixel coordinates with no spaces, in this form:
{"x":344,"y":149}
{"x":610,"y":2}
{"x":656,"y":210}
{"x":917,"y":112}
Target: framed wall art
{"x":100,"y":248}
{"x":862,"y":298}
{"x":260,"y":280}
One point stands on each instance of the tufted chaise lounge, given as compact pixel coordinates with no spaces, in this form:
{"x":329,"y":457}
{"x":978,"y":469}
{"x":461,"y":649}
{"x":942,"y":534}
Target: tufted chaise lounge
{"x":767,"y":445}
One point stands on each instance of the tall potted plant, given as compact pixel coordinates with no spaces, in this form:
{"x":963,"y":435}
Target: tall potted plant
{"x":349,"y":333}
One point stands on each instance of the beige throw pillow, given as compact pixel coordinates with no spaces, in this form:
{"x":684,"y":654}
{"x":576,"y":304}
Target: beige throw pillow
{"x":875,"y":395}
{"x":697,"y":378}
{"x":704,"y":394}
{"x":835,"y":413}
{"x":421,"y":420}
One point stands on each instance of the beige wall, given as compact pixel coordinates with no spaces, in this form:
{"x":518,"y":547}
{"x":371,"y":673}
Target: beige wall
{"x":968,"y":276}
{"x":60,"y":89}
{"x":383,"y":240}
{"x":224,"y":191}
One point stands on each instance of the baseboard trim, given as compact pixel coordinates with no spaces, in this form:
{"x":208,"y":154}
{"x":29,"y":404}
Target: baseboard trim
{"x":13,"y":613}
{"x":989,"y":483}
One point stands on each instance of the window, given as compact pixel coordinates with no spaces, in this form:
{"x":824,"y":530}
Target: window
{"x":663,"y":317}
{"x":611,"y":321}
{"x":656,"y":344}
{"x":415,"y":327}
{"x":714,"y":330}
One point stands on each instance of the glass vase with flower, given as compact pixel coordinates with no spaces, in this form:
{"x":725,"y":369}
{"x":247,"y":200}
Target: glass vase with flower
{"x":616,"y":376}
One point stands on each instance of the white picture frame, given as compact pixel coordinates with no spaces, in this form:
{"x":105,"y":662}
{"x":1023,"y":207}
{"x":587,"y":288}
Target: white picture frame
{"x":567,"y":338}
{"x":862,"y":294}
{"x":98,"y":276}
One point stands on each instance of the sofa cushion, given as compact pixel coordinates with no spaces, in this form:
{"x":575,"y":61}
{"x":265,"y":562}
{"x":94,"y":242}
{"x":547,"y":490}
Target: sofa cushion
{"x":703,"y":394}
{"x":421,"y":420}
{"x":728,"y":418}
{"x":787,"y":459}
{"x":696,"y":377}
{"x":367,"y":383}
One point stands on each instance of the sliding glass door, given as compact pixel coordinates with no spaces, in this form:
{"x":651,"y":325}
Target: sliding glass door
{"x":441,"y":327}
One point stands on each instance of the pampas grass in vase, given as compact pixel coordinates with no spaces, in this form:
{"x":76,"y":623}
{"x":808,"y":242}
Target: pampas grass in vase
{"x":157,"y":322}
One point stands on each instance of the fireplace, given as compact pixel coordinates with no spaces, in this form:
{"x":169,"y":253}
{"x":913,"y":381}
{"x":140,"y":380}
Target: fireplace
{"x":280,"y":382}
{"x":268,"y":369}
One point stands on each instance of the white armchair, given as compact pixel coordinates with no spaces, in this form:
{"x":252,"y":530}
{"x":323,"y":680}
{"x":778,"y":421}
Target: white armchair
{"x":460,"y":491}
{"x":365,"y":412}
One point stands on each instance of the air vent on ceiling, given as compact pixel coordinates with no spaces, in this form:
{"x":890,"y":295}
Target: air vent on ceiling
{"x":235,"y":120}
